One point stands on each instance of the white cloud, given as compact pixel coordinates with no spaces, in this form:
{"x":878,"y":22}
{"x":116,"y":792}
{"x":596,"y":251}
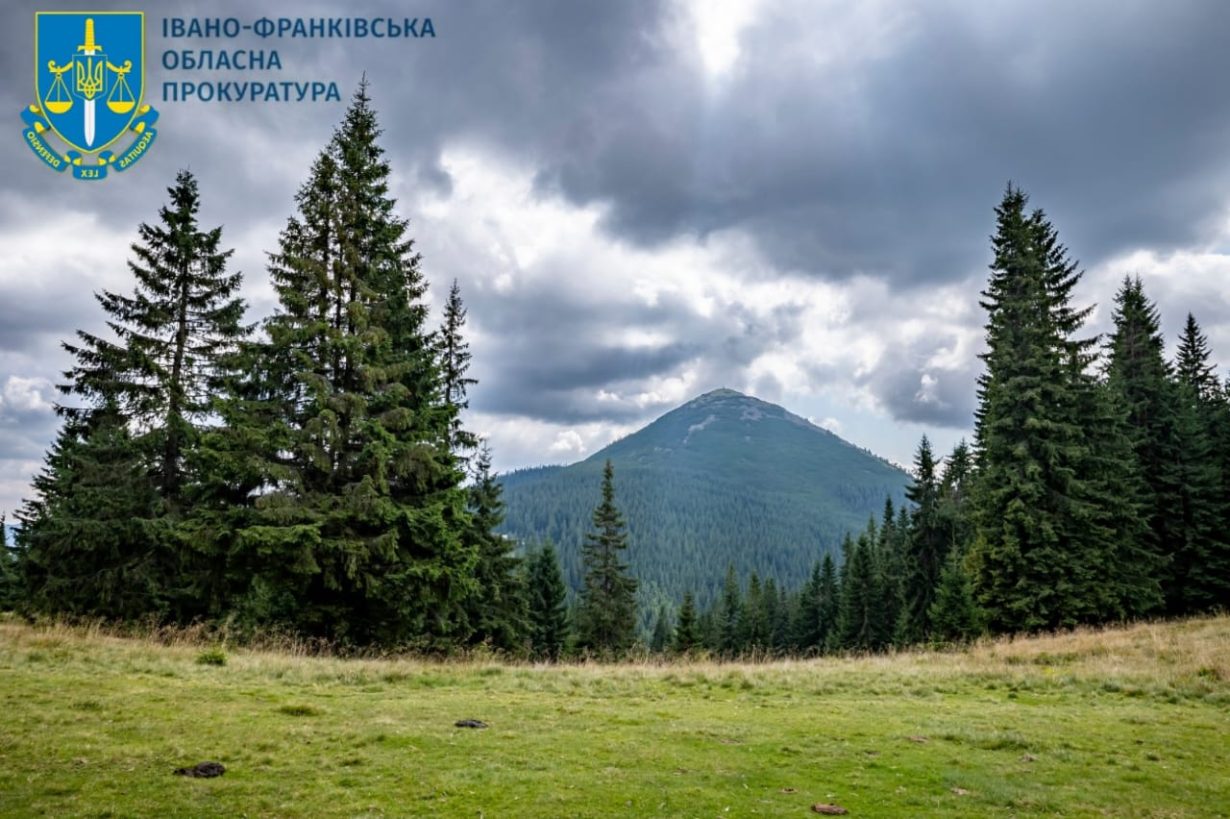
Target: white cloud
{"x":1185,"y":281}
{"x":830,"y":423}
{"x":788,"y":338}
{"x":26,"y":395}
{"x":716,"y":29}
{"x":568,"y":442}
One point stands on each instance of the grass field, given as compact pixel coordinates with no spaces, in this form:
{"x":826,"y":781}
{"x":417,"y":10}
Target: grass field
{"x":1131,"y":722}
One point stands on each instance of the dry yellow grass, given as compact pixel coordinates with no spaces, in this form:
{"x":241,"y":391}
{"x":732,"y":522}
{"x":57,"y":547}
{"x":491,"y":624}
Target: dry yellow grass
{"x":1166,"y":653}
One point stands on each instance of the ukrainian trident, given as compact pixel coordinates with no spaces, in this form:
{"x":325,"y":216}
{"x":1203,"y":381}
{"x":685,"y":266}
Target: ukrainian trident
{"x":89,"y":77}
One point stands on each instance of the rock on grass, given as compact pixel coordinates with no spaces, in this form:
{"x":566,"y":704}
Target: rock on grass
{"x":202,"y":770}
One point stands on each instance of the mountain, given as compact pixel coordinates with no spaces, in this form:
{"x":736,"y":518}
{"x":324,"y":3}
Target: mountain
{"x":725,"y":479}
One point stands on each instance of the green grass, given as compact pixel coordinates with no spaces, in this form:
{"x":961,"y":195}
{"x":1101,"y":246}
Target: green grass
{"x":1133,"y":722}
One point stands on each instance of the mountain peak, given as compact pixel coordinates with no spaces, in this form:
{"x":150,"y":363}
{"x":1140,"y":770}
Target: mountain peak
{"x":725,"y":479}
{"x":720,"y":392}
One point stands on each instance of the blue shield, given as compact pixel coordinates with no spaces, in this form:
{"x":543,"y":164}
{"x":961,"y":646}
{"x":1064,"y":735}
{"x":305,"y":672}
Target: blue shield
{"x":89,"y":74}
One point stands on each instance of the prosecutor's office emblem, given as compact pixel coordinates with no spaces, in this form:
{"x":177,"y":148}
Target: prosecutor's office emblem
{"x":89,"y":80}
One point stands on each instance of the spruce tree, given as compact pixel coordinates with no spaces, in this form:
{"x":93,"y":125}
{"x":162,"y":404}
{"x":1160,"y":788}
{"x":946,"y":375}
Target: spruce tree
{"x":661,"y":638}
{"x":84,"y":535}
{"x":360,"y":527}
{"x":183,"y":316}
{"x":1139,"y":379}
{"x":954,"y":613}
{"x":829,"y":593}
{"x":606,"y":620}
{"x":1127,"y":566}
{"x":890,"y":562}
{"x":753,"y":624}
{"x":687,"y":629}
{"x":1201,"y":567}
{"x":1037,"y":557}
{"x":954,"y":503}
{"x":926,"y":548}
{"x":777,"y":613}
{"x":495,"y":611}
{"x":1193,"y":366}
{"x":137,"y":401}
{"x":861,"y":625}
{"x":547,"y":604}
{"x":454,"y":354}
{"x":729,"y":615}
{"x":807,"y":627}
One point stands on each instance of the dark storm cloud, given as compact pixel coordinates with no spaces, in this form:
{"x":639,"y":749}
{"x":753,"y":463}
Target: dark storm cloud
{"x":925,"y":395}
{"x":547,"y":355}
{"x":1114,"y":114}
{"x":875,"y":150}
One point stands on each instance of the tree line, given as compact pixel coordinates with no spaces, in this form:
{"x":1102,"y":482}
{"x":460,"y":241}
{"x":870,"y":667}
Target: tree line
{"x":1097,"y":488}
{"x":312,"y":473}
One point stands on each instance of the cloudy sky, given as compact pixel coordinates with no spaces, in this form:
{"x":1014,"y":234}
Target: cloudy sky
{"x":647,"y":200}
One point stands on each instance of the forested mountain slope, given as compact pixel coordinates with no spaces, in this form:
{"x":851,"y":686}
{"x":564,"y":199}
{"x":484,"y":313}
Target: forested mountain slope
{"x":724,"y":479}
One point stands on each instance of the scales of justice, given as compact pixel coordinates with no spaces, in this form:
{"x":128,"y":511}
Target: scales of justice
{"x":93,"y":76}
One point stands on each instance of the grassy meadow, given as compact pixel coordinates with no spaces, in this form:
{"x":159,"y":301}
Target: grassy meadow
{"x":1126,"y":722}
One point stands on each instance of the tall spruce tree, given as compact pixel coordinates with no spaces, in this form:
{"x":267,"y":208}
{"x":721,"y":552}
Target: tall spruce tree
{"x":1139,"y":378}
{"x":1201,"y":568}
{"x":137,"y":401}
{"x":360,"y":527}
{"x":606,"y":620}
{"x":1038,"y":557}
{"x":547,"y":604}
{"x":183,"y":316}
{"x":1128,"y":565}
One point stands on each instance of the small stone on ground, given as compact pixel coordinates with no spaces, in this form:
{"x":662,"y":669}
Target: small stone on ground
{"x":202,"y":770}
{"x":470,"y":723}
{"x":829,"y":810}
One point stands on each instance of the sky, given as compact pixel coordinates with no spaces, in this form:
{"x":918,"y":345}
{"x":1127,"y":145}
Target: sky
{"x":646,"y":200}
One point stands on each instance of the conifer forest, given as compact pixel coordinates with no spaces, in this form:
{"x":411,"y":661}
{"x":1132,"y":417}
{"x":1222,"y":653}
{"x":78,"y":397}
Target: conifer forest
{"x":311,"y":471}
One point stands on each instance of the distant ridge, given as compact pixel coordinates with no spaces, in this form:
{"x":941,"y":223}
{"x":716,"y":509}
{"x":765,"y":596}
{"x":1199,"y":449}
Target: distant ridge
{"x":725,"y":479}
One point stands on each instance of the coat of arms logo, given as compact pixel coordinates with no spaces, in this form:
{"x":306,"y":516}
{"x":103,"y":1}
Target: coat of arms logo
{"x":89,"y":80}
